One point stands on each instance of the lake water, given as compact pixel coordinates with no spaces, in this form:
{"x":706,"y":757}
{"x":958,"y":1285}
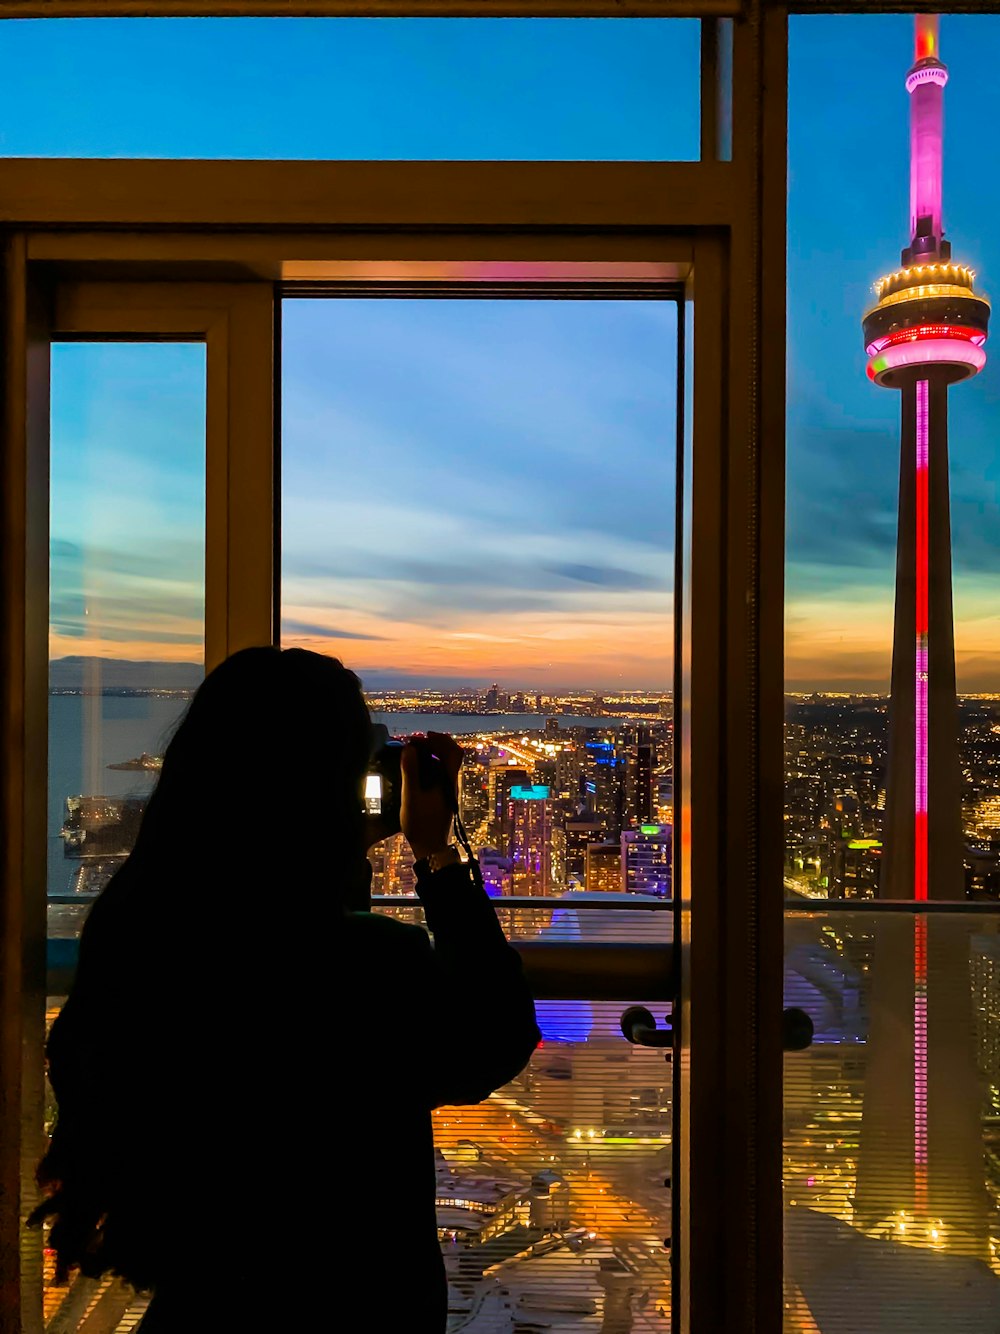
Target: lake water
{"x":87,"y":733}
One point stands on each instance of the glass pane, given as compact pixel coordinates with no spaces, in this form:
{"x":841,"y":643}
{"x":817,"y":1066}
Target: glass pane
{"x":891,"y":1118}
{"x":351,"y":88}
{"x":477,"y":517}
{"x":127,"y":595}
{"x":126,"y":641}
{"x":462,"y":526}
{"x":553,"y":1197}
{"x":893,"y":488}
{"x":893,"y":677}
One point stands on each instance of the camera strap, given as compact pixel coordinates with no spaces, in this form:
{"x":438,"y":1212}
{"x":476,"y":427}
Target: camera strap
{"x":463,"y":841}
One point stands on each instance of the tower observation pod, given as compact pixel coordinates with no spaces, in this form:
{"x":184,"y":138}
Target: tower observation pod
{"x":921,"y":1147}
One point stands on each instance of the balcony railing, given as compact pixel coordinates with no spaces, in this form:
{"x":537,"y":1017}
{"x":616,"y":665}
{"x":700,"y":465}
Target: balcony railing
{"x":891,"y":1125}
{"x":571,"y":1162}
{"x":892,"y":1118}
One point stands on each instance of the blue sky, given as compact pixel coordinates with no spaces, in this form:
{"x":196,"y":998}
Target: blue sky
{"x":545,"y":429}
{"x":500,"y":503}
{"x":848,"y":217}
{"x":350,"y":88}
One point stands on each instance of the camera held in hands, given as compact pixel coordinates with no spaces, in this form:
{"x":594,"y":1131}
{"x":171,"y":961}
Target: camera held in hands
{"x":383,"y":783}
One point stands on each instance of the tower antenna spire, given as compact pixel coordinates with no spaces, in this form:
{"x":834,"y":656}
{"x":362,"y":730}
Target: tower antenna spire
{"x":925,"y":84}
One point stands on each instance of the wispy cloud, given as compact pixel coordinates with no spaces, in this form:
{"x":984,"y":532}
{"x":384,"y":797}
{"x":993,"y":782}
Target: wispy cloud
{"x":295,"y":629}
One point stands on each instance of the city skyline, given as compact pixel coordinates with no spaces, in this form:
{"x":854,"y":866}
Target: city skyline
{"x":545,"y":593}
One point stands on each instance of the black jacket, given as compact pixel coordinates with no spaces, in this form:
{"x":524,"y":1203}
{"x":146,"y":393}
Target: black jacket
{"x":252,"y":1119}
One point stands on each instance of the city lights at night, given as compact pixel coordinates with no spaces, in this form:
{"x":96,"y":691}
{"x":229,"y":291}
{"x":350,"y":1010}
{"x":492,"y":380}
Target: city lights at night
{"x":477,"y":506}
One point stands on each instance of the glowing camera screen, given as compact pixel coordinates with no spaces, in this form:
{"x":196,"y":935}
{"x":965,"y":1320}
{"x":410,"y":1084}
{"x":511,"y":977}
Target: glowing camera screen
{"x":373,"y":794}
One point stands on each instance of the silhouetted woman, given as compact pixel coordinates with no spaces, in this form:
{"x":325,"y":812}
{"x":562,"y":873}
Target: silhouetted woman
{"x":247,"y":1062}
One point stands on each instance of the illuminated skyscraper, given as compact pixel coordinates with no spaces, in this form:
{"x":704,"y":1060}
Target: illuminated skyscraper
{"x":529,"y":822}
{"x":604,"y":868}
{"x":921,"y":1156}
{"x":640,"y":797}
{"x":646,"y":860}
{"x":504,"y":773}
{"x":582,"y":828}
{"x":603,"y":781}
{"x":498,"y":872}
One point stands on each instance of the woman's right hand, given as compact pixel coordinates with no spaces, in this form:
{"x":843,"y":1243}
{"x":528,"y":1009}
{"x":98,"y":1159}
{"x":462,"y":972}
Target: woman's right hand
{"x":426,"y":814}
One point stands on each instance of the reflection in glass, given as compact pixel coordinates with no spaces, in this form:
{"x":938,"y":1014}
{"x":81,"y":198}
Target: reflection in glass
{"x":127,"y":595}
{"x":893,"y":722}
{"x":126,"y":639}
{"x":891,"y":782}
{"x":889,"y":1211}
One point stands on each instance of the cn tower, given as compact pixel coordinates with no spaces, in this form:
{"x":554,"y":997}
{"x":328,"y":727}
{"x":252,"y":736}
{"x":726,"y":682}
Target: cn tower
{"x":920,"y":1169}
{"x":925,"y":333}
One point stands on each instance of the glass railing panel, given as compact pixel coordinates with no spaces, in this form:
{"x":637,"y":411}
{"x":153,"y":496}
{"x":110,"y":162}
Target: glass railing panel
{"x":580,"y":1143}
{"x":891,"y":1164}
{"x":553,"y":1195}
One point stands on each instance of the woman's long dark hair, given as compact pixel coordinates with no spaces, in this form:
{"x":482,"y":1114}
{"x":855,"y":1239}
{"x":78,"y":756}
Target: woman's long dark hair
{"x":203,"y":932}
{"x":265,"y":765}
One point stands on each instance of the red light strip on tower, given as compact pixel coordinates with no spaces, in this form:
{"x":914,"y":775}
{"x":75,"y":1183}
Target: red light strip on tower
{"x":924,"y":332}
{"x":920,"y":738}
{"x":920,"y":682}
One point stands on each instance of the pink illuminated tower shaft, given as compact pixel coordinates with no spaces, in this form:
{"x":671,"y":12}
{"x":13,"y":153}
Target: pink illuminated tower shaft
{"x":921,"y":1154}
{"x":925,"y":84}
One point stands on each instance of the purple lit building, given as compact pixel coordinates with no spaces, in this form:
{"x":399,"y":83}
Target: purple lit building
{"x":646,"y":860}
{"x":498,"y":872}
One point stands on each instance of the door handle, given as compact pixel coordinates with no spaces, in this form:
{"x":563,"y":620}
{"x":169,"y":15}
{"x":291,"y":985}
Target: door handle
{"x":639,"y":1027}
{"x":796,"y":1029}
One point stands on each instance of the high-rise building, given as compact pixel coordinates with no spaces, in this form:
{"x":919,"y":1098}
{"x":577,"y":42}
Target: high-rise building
{"x":392,"y":866}
{"x":604,"y":867}
{"x":504,"y":773}
{"x":498,"y":872}
{"x":921,"y":1146}
{"x":473,"y":789}
{"x":529,"y":825}
{"x":640,"y":805}
{"x":602,"y":780}
{"x":582,"y":828}
{"x":646,"y":859}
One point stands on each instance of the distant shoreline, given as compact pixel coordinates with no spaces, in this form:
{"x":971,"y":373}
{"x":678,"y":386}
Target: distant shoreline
{"x":132,"y":692}
{"x":379,"y":704}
